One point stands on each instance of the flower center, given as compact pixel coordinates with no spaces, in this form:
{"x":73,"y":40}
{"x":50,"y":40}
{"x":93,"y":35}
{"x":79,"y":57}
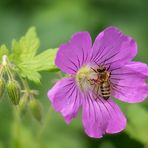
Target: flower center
{"x":84,"y":77}
{"x":96,"y":80}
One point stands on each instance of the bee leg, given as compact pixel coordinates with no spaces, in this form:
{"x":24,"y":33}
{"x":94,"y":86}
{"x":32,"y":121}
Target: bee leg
{"x":108,"y":67}
{"x":94,"y":70}
{"x":96,"y":89}
{"x":91,"y":82}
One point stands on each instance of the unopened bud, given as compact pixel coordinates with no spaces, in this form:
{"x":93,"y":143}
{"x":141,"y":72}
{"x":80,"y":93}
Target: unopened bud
{"x":23,"y":104}
{"x":13,"y":90}
{"x":2,"y":86}
{"x":35,"y":108}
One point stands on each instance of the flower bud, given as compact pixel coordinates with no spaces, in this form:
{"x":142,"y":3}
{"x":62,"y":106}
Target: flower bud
{"x":23,"y":104}
{"x":2,"y":86}
{"x":13,"y":90}
{"x":35,"y":108}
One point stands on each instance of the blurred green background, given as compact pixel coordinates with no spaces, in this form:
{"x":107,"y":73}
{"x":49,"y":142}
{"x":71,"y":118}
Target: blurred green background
{"x":56,"y":21}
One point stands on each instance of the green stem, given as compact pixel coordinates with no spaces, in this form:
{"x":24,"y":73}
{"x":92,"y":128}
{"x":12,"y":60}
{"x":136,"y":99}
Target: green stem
{"x":1,"y":70}
{"x":16,"y":131}
{"x":10,"y":76}
{"x":30,"y":93}
{"x":25,"y":84}
{"x":44,"y":124}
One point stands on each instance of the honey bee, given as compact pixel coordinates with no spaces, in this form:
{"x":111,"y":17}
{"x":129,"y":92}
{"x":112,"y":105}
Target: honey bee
{"x":104,"y":87}
{"x":103,"y":82}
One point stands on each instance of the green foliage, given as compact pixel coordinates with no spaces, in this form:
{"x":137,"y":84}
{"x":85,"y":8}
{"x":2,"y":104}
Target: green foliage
{"x":26,"y":47}
{"x":28,"y":62}
{"x":14,"y":91}
{"x":3,"y":51}
{"x":35,"y":108}
{"x":30,"y":67}
{"x":21,"y":136}
{"x":24,"y":55}
{"x":137,"y":126}
{"x":2,"y":86}
{"x":23,"y":105}
{"x":56,"y":21}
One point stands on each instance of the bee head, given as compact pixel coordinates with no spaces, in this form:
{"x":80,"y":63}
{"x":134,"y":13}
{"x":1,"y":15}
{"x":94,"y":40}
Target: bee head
{"x":101,"y":69}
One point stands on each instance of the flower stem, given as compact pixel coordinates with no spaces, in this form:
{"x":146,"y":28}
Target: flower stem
{"x":16,"y":128}
{"x":44,"y":124}
{"x":25,"y":84}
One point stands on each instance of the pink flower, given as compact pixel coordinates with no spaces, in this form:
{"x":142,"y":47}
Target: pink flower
{"x":95,"y":73}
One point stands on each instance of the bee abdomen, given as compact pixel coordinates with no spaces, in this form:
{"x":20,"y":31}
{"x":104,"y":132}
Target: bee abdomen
{"x":105,"y":95}
{"x":105,"y":90}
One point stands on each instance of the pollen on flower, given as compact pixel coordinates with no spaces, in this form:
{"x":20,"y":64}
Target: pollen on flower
{"x":83,"y":77}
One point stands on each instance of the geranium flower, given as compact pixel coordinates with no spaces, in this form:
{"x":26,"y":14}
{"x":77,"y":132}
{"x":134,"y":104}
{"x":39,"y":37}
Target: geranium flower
{"x":95,"y":73}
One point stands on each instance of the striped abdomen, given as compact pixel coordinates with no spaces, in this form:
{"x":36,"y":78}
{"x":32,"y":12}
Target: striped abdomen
{"x":105,"y":90}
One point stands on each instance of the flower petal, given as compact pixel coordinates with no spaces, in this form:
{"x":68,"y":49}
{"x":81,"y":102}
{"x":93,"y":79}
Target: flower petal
{"x":129,"y":82}
{"x":113,"y":47}
{"x":65,"y":98}
{"x":71,"y":56}
{"x":101,"y":116}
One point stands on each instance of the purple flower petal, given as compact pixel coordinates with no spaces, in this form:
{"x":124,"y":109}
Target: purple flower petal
{"x":108,"y":71}
{"x":129,"y":82}
{"x":71,"y":56}
{"x":100,"y":117}
{"x":112,"y":47}
{"x":65,"y":98}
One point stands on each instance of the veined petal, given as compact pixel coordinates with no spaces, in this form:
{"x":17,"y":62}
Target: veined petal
{"x":117,"y":119}
{"x":65,"y":98}
{"x":101,"y":116}
{"x":71,"y":56}
{"x":138,"y":68}
{"x":129,"y":82}
{"x":112,"y":47}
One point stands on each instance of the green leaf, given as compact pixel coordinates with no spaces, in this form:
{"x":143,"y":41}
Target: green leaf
{"x":31,"y":68}
{"x":45,"y":60}
{"x":26,"y":59}
{"x":26,"y":72}
{"x":3,"y":51}
{"x":26,"y":47}
{"x":137,"y":126}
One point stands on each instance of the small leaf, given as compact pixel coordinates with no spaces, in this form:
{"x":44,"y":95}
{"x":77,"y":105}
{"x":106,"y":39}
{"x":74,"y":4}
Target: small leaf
{"x":26,"y":47}
{"x":24,"y":56}
{"x":45,"y":60}
{"x":31,"y":74}
{"x":31,"y":68}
